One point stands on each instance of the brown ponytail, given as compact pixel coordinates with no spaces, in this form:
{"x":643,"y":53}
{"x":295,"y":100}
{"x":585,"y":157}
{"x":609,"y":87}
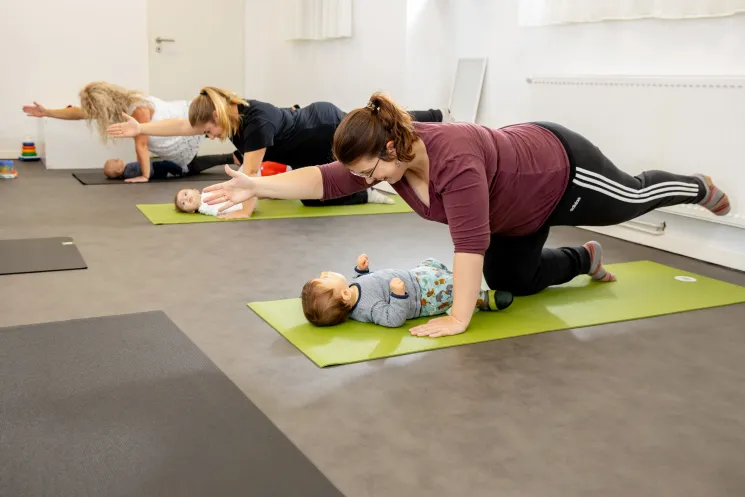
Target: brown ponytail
{"x":365,"y":132}
{"x":216,"y":101}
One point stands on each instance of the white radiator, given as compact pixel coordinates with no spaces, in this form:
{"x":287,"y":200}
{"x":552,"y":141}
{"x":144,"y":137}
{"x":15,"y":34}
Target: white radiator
{"x":680,"y":124}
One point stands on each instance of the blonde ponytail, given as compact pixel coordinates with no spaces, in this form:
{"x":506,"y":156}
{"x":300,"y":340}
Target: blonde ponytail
{"x":214,"y":105}
{"x":365,"y":132}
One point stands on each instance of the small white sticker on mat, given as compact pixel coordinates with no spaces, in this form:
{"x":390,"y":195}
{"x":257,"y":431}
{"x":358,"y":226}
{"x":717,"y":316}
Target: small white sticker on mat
{"x":687,"y":279}
{"x":68,"y":243}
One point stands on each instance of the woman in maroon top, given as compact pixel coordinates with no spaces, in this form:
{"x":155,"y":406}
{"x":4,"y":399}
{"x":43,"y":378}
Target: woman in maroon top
{"x":498,"y":190}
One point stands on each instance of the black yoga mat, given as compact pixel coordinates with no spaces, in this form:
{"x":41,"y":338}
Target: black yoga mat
{"x":96,"y":177}
{"x":36,"y":255}
{"x":129,"y":406}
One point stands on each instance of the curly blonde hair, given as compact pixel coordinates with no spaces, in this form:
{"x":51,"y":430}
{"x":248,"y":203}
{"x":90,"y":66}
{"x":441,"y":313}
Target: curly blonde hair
{"x":104,"y":103}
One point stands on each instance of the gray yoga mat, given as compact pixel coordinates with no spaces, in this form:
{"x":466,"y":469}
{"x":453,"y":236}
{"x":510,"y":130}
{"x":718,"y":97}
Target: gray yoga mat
{"x":129,"y":406}
{"x":96,"y":177}
{"x":36,"y":255}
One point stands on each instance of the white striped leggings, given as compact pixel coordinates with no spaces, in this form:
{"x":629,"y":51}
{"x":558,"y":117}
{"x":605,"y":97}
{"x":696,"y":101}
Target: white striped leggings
{"x":598,"y":194}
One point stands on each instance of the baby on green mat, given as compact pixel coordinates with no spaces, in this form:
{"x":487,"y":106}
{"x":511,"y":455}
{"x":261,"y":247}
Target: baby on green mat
{"x":387,"y":297}
{"x":191,"y":200}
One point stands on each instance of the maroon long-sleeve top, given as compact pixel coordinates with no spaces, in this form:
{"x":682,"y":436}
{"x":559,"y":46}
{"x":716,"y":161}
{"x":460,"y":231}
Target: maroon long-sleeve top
{"x":481,"y":181}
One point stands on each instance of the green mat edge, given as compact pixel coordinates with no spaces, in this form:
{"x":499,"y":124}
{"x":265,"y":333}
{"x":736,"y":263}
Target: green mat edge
{"x":256,"y":308}
{"x":401,"y":208}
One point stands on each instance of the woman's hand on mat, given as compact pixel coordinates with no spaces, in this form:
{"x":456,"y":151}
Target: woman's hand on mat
{"x":239,"y":188}
{"x":439,"y":327}
{"x":138,"y":179}
{"x":36,"y":110}
{"x":363,"y":262}
{"x":130,"y":127}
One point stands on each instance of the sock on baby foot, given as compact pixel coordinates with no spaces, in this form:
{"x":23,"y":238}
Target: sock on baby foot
{"x":493,"y":300}
{"x":715,"y":199}
{"x":375,"y":197}
{"x":597,"y":271}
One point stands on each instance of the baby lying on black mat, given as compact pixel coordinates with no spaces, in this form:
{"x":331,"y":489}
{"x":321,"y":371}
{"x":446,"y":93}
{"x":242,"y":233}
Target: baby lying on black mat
{"x":116,"y":169}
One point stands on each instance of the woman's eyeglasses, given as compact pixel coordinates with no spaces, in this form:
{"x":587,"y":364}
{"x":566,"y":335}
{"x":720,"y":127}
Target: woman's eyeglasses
{"x":366,"y":175}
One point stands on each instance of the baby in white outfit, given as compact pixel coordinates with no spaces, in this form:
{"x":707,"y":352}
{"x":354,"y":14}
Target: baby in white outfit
{"x":191,"y":200}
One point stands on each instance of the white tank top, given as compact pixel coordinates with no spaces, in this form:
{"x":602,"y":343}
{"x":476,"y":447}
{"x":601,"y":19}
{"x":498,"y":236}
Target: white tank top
{"x":178,"y":149}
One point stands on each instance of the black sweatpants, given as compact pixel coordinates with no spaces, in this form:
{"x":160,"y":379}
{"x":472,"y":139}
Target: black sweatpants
{"x":422,"y":116}
{"x":598,"y":194}
{"x":203,"y":162}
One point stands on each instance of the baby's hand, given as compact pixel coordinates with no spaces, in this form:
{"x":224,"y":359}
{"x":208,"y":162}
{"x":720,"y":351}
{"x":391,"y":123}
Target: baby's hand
{"x":363,"y":262}
{"x":398,"y":287}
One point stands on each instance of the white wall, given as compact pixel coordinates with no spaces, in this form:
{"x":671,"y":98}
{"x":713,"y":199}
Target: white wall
{"x":490,"y":27}
{"x":430,"y":54}
{"x":51,"y":48}
{"x":382,"y":55}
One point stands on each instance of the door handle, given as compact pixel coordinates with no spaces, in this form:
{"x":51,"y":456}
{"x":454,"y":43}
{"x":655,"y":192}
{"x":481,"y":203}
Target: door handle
{"x":160,"y":40}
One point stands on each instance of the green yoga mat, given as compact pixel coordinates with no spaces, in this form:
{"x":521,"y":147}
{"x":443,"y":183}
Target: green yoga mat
{"x":272,"y":209}
{"x":644,"y":289}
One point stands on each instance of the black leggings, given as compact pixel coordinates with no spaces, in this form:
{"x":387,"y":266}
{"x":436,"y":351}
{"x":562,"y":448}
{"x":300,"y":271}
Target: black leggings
{"x":202,"y":162}
{"x":598,"y":194}
{"x":422,"y":116}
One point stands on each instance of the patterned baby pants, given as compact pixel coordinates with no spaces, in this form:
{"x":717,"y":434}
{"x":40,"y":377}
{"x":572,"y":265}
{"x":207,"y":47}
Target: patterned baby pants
{"x":436,"y":283}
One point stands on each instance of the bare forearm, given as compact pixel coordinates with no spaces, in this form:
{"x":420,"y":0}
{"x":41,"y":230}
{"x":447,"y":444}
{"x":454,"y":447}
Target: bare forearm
{"x":299,"y":184}
{"x":68,"y":114}
{"x":169,"y":127}
{"x":143,"y":157}
{"x":252,"y":161}
{"x":467,"y":270}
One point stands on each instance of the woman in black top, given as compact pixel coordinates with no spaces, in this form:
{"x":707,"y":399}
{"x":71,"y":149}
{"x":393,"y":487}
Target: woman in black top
{"x":260,"y":131}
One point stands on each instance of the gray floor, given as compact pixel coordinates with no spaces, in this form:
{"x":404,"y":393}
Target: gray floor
{"x":648,"y":408}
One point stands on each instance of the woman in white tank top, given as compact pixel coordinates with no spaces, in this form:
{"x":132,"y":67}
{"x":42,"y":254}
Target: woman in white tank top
{"x":105,"y":103}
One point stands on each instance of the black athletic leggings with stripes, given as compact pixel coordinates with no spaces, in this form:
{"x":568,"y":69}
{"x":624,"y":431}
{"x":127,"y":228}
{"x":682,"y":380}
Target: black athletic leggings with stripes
{"x":598,"y":194}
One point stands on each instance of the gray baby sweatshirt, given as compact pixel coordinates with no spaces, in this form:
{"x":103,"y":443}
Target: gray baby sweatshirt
{"x":377,"y":304}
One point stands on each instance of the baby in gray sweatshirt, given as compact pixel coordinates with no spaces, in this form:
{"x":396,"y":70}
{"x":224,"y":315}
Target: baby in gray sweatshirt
{"x":387,"y":297}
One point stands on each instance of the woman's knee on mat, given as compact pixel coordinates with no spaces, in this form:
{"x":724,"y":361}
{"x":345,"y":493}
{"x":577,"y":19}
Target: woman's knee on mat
{"x":520,"y":284}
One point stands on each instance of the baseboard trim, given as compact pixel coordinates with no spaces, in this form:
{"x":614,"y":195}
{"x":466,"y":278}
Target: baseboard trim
{"x":695,"y":247}
{"x":8,"y":154}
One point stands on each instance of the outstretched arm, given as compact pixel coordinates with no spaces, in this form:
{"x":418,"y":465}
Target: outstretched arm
{"x":313,"y":182}
{"x":68,"y":114}
{"x":297,"y":184}
{"x":167,"y":127}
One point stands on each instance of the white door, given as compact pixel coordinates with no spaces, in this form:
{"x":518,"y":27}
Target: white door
{"x":201,"y":45}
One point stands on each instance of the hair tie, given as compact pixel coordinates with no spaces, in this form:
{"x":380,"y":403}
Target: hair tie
{"x":370,"y":105}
